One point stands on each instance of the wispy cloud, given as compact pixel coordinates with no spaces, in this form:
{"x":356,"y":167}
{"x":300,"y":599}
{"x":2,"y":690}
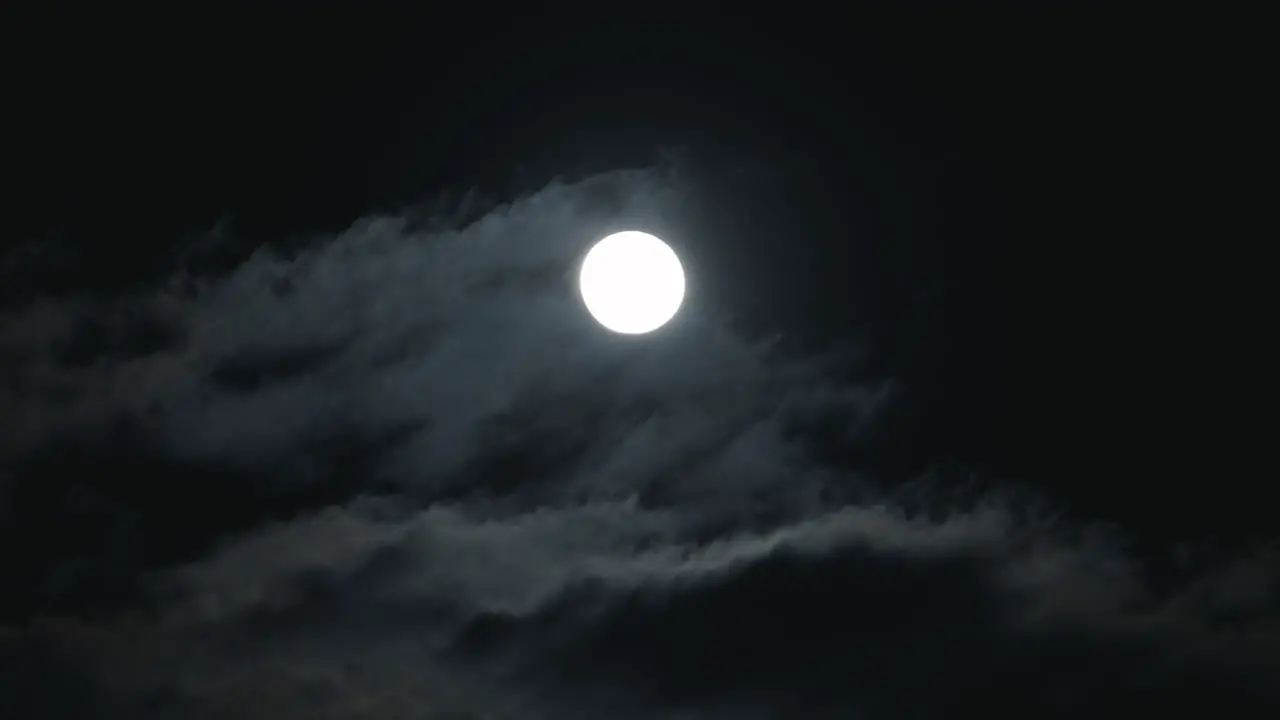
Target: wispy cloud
{"x":401,"y":474}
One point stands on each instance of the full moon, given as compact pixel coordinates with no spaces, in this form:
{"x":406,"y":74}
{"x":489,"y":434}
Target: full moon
{"x":632,"y":282}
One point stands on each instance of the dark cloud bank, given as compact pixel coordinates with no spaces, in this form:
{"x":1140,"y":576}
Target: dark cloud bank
{"x":402,"y":475}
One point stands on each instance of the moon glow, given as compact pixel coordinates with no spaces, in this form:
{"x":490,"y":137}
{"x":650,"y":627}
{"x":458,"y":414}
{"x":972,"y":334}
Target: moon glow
{"x":632,"y":282}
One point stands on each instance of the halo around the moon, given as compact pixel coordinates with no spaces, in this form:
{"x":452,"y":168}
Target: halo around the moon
{"x":632,"y":282}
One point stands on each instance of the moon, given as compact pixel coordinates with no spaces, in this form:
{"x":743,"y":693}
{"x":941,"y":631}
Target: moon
{"x":632,"y":282}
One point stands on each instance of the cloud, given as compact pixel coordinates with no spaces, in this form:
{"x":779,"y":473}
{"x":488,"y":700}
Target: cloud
{"x":400,"y":473}
{"x":601,"y":607}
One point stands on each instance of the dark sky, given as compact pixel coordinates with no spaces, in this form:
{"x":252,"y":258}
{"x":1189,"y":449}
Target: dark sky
{"x":302,"y":417}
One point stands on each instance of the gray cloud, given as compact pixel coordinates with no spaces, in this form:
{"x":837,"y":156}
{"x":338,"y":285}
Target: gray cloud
{"x":358,"y":612}
{"x":401,"y":474}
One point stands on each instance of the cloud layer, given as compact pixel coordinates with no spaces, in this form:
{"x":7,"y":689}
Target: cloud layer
{"x":402,"y":474}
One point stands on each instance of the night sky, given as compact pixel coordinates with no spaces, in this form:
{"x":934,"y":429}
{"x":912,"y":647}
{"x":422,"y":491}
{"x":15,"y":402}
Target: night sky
{"x":302,"y":415}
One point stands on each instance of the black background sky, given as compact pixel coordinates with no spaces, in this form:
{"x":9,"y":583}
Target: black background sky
{"x":1013,"y":213}
{"x":1006,"y":200}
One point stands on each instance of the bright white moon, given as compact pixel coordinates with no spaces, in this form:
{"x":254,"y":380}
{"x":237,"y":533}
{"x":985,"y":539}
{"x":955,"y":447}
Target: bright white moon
{"x":632,"y":282}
